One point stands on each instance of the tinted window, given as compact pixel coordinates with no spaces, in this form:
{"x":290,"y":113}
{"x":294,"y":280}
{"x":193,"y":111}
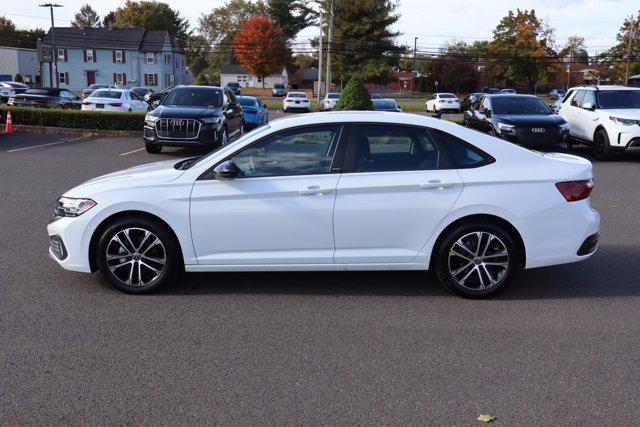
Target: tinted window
{"x":278,"y":86}
{"x":105,"y":94}
{"x":333,"y":95}
{"x":619,"y":99}
{"x":51,"y":92}
{"x":384,"y":104}
{"x":302,"y":151}
{"x":463,"y":155}
{"x":383,"y":148}
{"x":247,"y":102}
{"x":296,"y":95}
{"x":589,"y":98}
{"x":447,"y":95}
{"x":577,"y":99}
{"x":194,"y":97}
{"x":567,"y":96}
{"x":519,"y":105}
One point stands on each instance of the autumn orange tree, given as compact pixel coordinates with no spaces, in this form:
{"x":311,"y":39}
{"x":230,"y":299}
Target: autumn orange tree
{"x":261,"y":47}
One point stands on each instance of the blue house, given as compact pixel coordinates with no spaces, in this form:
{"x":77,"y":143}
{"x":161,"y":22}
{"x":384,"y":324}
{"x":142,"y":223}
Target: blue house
{"x":121,"y":57}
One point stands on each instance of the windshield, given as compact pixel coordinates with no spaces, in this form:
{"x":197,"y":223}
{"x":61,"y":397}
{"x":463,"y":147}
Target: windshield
{"x":247,"y":102}
{"x":246,"y":136}
{"x":384,"y":104}
{"x":609,"y":99}
{"x":447,"y":95}
{"x":519,"y":105}
{"x":105,"y":94}
{"x":194,"y":97}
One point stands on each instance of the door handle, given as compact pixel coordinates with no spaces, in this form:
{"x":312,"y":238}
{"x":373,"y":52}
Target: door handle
{"x":315,"y":189}
{"x":435,"y":184}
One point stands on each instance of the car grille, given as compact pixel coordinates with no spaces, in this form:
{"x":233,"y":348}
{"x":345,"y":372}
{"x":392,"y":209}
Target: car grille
{"x":178,"y":128}
{"x":539,"y":136}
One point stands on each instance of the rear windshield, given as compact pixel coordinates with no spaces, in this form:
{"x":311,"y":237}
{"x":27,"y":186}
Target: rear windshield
{"x":247,"y":102}
{"x":333,"y":96}
{"x":233,"y":84}
{"x":42,"y":92}
{"x":384,"y":103}
{"x":609,"y":99}
{"x":296,"y":95}
{"x":194,"y":97}
{"x":278,"y":86}
{"x":106,"y":94}
{"x":519,"y":105}
{"x":447,"y":95}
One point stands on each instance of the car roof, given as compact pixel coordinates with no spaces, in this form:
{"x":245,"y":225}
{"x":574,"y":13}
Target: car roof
{"x":605,"y":87}
{"x":509,"y":95}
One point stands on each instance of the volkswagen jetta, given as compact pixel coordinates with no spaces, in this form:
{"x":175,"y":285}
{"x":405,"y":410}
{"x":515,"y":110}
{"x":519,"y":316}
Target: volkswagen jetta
{"x":335,"y":191}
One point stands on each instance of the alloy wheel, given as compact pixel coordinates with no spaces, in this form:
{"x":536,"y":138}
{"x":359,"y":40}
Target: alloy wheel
{"x":136,"y":257}
{"x":478,"y":261}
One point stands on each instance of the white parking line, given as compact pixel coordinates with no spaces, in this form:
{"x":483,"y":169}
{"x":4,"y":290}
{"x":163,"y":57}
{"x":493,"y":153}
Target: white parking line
{"x":126,"y":153}
{"x":43,"y":145}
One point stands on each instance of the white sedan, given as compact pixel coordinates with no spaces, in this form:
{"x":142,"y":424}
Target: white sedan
{"x":329,"y":101}
{"x":114,"y":100}
{"x":441,"y":102}
{"x":296,"y":101}
{"x":337,"y":191}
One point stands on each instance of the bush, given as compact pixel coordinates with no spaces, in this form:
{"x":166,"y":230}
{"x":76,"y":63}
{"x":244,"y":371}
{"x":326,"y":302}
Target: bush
{"x":201,"y":80}
{"x":18,"y":78}
{"x":92,"y":120}
{"x":354,"y":97}
{"x":422,"y":84}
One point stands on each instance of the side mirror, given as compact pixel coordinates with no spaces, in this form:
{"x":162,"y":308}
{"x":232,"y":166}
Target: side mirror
{"x":589,"y":106}
{"x":227,"y":170}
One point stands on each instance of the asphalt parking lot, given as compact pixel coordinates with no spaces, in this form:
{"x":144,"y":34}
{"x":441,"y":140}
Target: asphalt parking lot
{"x":560,"y":346}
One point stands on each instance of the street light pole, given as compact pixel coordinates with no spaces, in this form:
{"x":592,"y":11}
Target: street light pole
{"x":53,"y":41}
{"x":632,"y":34}
{"x":413,"y":72}
{"x":327,"y":86}
{"x":320,"y":60}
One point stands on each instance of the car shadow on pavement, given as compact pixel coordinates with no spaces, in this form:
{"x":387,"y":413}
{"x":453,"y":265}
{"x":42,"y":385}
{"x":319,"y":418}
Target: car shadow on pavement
{"x":612,"y":272}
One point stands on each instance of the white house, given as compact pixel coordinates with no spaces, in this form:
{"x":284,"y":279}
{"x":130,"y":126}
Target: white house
{"x":234,"y":73}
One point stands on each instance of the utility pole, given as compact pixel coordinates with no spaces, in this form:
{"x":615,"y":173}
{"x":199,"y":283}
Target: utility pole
{"x":569,"y":69}
{"x":632,"y":35}
{"x":327,"y":86}
{"x":53,"y":42}
{"x":320,"y":60}
{"x":413,"y":72}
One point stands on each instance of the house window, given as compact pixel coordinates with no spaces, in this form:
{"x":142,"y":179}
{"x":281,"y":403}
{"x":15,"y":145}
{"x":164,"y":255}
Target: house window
{"x":90,"y":55}
{"x":63,"y":78}
{"x":61,"y":55}
{"x":119,"y":79}
{"x":242,"y":79}
{"x":259,"y":79}
{"x":151,"y":58}
{"x":169,"y":79}
{"x":151,"y":79}
{"x":119,"y":56}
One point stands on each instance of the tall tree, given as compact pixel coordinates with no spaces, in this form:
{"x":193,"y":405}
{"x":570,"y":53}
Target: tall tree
{"x":363,"y":41}
{"x":219,"y":27}
{"x":290,"y":15}
{"x":86,"y":17}
{"x":152,"y":15}
{"x":197,"y":51}
{"x":260,"y":46}
{"x":109,"y":20}
{"x":521,"y":50}
{"x":452,"y":68}
{"x":614,"y":60}
{"x":575,"y":48}
{"x":10,"y":36}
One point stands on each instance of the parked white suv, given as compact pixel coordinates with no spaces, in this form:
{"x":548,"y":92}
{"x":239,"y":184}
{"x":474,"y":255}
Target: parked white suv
{"x":605,"y":117}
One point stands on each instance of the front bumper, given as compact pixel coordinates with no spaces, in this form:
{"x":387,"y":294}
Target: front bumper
{"x":525,"y":137}
{"x":68,"y":246}
{"x":208,"y":137}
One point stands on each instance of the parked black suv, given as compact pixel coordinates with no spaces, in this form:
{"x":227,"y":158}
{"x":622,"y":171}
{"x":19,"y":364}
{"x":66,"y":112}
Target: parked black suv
{"x":193,"y":116}
{"x":234,"y":88}
{"x":522,"y":119}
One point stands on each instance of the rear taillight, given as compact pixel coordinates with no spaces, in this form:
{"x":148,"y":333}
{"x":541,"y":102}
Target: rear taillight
{"x":575,"y":190}
{"x":86,"y":103}
{"x":442,"y":100}
{"x":116,"y":104}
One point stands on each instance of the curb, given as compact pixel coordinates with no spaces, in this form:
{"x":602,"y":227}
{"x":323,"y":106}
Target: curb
{"x":50,"y":130}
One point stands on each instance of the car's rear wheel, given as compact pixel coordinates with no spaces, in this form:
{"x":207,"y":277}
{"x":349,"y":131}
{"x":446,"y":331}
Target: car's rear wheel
{"x":137,"y":255}
{"x":152,"y":148}
{"x":477,"y":259}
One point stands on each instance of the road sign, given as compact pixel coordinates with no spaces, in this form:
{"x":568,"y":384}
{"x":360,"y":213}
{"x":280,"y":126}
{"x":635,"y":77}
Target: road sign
{"x":45,"y":53}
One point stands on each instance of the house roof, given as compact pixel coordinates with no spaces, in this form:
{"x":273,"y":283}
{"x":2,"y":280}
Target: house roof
{"x":233,"y":69}
{"x":108,"y":38}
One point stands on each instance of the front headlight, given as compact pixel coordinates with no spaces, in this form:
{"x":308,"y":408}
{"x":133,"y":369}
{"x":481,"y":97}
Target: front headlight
{"x":625,"y":122}
{"x":210,"y":119}
{"x":150,"y":118}
{"x":565,"y":127}
{"x":71,"y":207}
{"x":503,"y":127}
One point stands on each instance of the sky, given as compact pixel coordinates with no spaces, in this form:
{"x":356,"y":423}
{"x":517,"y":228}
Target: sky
{"x":432,"y":21}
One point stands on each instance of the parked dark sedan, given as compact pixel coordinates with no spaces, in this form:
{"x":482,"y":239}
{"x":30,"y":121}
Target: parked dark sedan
{"x":385,"y":104}
{"x":190,"y":116}
{"x":523,"y":119}
{"x":469,"y":100}
{"x":47,"y":97}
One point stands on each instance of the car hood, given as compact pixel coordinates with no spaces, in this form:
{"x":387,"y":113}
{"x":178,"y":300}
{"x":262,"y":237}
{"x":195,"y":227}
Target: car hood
{"x":167,"y":112}
{"x":143,"y":175}
{"x":625,"y":113}
{"x":530,"y":119}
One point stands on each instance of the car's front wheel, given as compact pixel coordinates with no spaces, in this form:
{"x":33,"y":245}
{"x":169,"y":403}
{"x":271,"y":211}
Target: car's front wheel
{"x":137,"y":255}
{"x":152,"y":148}
{"x":601,"y":147}
{"x":476,"y":259}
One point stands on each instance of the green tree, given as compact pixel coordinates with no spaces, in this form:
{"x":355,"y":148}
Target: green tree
{"x":197,"y":51}
{"x":354,"y":97}
{"x":86,"y":17}
{"x":152,"y":15}
{"x":18,"y":78}
{"x":363,"y":40}
{"x":453,"y":68}
{"x":201,"y":80}
{"x":220,"y":26}
{"x":614,"y":60}
{"x":290,"y":15}
{"x":10,"y":36}
{"x":575,"y":48}
{"x":109,"y":20}
{"x":478,"y":50}
{"x":521,"y":50}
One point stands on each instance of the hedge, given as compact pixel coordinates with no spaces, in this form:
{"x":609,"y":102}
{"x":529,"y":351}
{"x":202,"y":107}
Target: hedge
{"x":76,"y":119}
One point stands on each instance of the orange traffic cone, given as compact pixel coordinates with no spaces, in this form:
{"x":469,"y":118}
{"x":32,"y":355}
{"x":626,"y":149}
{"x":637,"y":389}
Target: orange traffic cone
{"x":9,"y":127}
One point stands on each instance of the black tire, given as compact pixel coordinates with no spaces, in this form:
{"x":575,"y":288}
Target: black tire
{"x":478,"y":283}
{"x":492,"y":132}
{"x":107,"y":247}
{"x":152,"y":148}
{"x":601,"y":147}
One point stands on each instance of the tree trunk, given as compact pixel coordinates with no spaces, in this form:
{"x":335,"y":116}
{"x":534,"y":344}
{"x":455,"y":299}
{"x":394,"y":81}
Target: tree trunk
{"x":262,"y":82}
